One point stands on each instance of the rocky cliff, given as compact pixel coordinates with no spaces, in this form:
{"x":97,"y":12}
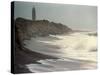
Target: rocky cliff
{"x":28,"y":28}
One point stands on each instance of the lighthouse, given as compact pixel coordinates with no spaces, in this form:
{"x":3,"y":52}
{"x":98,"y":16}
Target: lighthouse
{"x":33,"y":13}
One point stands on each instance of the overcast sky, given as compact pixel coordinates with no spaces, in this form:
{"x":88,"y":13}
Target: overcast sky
{"x":74,"y":16}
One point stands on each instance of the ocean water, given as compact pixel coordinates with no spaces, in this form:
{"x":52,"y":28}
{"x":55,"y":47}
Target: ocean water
{"x":77,"y":51}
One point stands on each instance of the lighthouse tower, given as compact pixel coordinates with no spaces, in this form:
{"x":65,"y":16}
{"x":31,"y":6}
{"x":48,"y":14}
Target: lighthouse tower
{"x":33,"y":14}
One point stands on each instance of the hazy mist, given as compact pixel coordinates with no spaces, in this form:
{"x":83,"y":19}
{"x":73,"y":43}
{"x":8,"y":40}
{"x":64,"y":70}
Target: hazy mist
{"x":74,"y":16}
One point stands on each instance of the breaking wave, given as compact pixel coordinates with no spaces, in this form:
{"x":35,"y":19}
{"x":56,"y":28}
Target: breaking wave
{"x":72,"y":49}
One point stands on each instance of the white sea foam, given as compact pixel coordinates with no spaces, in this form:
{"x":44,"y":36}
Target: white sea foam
{"x":68,"y":48}
{"x":76,"y":45}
